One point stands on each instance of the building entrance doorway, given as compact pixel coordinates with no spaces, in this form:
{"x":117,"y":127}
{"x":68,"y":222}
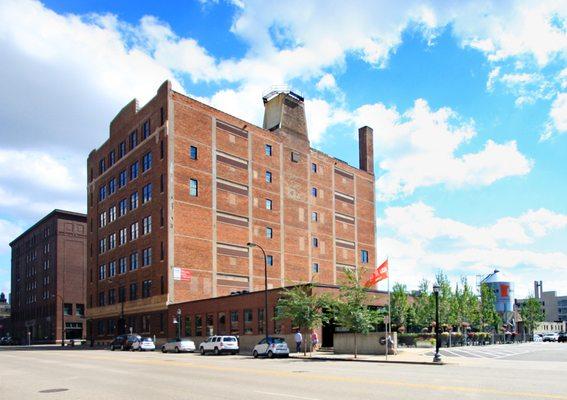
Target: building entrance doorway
{"x":328,"y":332}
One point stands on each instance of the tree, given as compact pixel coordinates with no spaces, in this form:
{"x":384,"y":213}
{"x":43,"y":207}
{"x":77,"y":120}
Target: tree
{"x":531,"y":313}
{"x":303,"y":308}
{"x":351,"y":308}
{"x":424,"y":306}
{"x":399,"y":305}
{"x":488,"y":314}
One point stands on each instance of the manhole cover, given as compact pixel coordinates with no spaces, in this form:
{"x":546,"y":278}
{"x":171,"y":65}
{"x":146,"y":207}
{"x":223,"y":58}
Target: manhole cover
{"x":53,"y":390}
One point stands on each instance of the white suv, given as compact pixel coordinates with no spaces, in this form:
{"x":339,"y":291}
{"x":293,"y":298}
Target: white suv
{"x":219,"y":344}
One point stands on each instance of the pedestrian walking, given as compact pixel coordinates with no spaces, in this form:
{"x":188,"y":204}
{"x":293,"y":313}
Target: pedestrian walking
{"x":298,"y":339}
{"x":314,"y":340}
{"x":391,"y":347}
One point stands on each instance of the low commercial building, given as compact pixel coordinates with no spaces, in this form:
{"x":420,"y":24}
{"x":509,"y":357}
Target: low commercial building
{"x":554,"y":307}
{"x":48,"y":279}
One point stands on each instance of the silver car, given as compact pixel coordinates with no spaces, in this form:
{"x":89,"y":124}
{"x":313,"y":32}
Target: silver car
{"x":271,"y":347}
{"x":178,"y":345}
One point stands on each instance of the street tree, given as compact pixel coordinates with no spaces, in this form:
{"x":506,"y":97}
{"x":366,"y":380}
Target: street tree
{"x":531,"y":314}
{"x":303,"y":308}
{"x":351,"y":309}
{"x":488,"y":315}
{"x":399,"y":305}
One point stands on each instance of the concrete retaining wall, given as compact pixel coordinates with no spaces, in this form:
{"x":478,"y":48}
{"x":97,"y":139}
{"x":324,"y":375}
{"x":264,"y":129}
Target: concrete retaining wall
{"x":343,"y":343}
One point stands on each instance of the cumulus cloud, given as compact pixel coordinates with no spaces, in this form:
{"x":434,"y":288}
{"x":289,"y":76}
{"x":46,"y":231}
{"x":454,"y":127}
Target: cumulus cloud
{"x":419,"y":242}
{"x":419,"y":149}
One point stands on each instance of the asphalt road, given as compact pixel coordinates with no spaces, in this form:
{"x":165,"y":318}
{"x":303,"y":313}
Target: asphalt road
{"x":101,"y":374}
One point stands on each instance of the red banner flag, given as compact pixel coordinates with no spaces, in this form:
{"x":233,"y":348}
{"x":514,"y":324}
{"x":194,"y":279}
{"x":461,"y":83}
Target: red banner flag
{"x":379,"y":274}
{"x":181,"y":274}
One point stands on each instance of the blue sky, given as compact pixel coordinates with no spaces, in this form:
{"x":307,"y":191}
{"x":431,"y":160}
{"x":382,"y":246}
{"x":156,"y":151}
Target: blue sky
{"x":468,"y":101}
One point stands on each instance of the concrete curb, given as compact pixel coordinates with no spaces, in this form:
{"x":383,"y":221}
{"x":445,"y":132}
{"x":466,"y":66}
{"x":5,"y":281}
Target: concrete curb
{"x":319,"y":358}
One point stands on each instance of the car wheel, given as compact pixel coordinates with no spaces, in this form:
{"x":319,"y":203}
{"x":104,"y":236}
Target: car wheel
{"x":122,"y":348}
{"x":233,"y":353}
{"x":163,"y":350}
{"x":176,"y":349}
{"x":270,"y":354}
{"x":111,"y":347}
{"x":202,"y":351}
{"x":216,"y":351}
{"x":255,"y":354}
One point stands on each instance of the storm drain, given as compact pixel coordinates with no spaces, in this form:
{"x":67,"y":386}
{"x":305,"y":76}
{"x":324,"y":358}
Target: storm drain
{"x":53,"y":390}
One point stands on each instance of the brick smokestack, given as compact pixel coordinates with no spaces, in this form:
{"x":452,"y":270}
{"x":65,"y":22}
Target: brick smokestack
{"x":366,"y":149}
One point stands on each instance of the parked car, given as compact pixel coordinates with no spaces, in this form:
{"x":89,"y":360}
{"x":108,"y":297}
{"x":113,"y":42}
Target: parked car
{"x":271,"y":347}
{"x":143,"y":344}
{"x":219,"y":344}
{"x":7,"y":341}
{"x":537,"y":338}
{"x":124,"y":342}
{"x":562,"y":337}
{"x":550,"y":337}
{"x":178,"y":345}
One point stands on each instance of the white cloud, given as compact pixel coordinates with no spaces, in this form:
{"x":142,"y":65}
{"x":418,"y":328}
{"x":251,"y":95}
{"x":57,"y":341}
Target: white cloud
{"x":419,"y":242}
{"x":327,"y":82}
{"x":558,"y":112}
{"x":419,"y":147}
{"x":8,"y":232}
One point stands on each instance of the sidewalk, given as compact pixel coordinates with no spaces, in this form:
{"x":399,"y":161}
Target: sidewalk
{"x":404,"y":356}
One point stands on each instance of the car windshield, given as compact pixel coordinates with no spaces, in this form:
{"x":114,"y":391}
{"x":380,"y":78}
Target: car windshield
{"x":276,"y":340}
{"x":229,"y":339}
{"x":147,"y":339}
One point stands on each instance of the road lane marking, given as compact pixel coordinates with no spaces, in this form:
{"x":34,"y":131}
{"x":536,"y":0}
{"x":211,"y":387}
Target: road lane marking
{"x":319,"y":377}
{"x":285,"y":395}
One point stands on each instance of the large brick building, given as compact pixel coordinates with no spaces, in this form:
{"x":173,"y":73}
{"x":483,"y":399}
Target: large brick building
{"x":48,"y":279}
{"x":181,"y":185}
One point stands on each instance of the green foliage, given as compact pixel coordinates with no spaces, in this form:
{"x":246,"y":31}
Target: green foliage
{"x":488,"y":315}
{"x":531,"y":313}
{"x":351,"y":309}
{"x":399,"y":305}
{"x":302,"y":307}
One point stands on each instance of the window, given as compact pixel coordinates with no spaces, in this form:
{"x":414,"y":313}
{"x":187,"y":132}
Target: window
{"x":134,"y":201}
{"x":161,"y":116}
{"x":111,"y":186}
{"x":68,"y":309}
{"x":122,"y":265}
{"x":101,"y":246}
{"x":101,"y":272}
{"x":122,"y":179}
{"x":314,"y":216}
{"x":315,"y":268}
{"x":146,"y":288}
{"x":102,"y":193}
{"x":133,"y":139}
{"x":234,"y":322}
{"x":111,"y":241}
{"x":121,"y":149}
{"x":260,"y":321}
{"x":146,"y":161}
{"x":188,"y":331}
{"x":198,"y":325}
{"x":134,"y":261}
{"x":133,"y":291}
{"x":161,"y":150}
{"x":134,"y":231}
{"x":193,"y":187}
{"x":269,"y":232}
{"x":134,"y":170}
{"x":102,"y":219}
{"x":314,"y":168}
{"x":247,"y":316}
{"x":122,"y":207}
{"x":101,"y":166}
{"x":315,"y":242}
{"x":112,"y":214}
{"x":268,"y":204}
{"x":314,"y":192}
{"x":270,"y":260}
{"x":294,"y":156}
{"x":111,"y":158}
{"x":101,"y":299}
{"x":193,"y":153}
{"x":122,"y":237}
{"x":146,"y":129}
{"x":111,"y":296}
{"x":146,"y":193}
{"x":364,"y":256}
{"x":122,"y":294}
{"x":147,"y":225}
{"x":146,"y":257}
{"x":80,"y":310}
{"x":111,"y":269}
{"x":268,"y":177}
{"x":161,"y":183}
{"x":268,"y":150}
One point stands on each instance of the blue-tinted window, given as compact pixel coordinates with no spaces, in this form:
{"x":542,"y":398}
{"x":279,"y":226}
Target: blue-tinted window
{"x":193,"y":152}
{"x":146,"y":161}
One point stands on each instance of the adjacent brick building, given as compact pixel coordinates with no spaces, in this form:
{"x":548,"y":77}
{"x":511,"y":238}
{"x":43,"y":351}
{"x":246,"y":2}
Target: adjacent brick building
{"x":181,"y":185}
{"x":48,"y":279}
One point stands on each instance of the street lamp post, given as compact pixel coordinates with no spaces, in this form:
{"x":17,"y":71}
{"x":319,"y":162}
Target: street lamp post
{"x":437,"y":356}
{"x":252,"y":245}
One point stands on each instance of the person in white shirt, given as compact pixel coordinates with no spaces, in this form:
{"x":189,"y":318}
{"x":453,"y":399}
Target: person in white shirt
{"x":298,"y":339}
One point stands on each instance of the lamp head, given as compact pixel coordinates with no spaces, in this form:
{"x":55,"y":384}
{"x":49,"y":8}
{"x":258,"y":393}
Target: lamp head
{"x":250,"y":244}
{"x":436,"y":288}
